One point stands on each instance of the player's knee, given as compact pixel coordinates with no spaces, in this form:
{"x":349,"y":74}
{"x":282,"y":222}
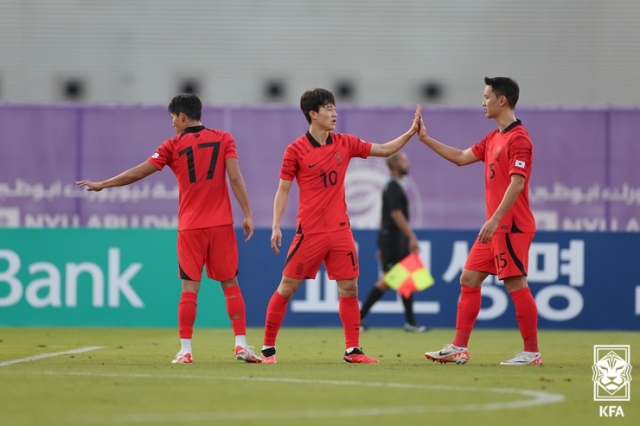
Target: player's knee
{"x":348,"y":288}
{"x":287,"y":288}
{"x":229,"y":283}
{"x":471,"y":278}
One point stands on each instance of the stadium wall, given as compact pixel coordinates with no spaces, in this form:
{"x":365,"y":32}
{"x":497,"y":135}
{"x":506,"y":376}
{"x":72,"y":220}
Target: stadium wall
{"x":579,"y":52}
{"x":83,"y":277}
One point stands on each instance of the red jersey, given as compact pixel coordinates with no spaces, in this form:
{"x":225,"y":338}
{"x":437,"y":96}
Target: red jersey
{"x":320,"y":171}
{"x":196,"y":157}
{"x":505,"y":153}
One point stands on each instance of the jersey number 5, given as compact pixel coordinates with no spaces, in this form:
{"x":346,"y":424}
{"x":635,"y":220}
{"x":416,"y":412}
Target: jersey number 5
{"x":192,"y":164}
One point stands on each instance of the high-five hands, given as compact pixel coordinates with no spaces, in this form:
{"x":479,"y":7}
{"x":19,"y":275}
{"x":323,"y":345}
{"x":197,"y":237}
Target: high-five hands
{"x":422,"y":132}
{"x":417,"y":118}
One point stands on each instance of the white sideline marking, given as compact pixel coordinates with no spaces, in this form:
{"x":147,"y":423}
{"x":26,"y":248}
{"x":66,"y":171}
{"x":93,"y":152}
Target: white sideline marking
{"x":49,"y":355}
{"x":535,"y":398}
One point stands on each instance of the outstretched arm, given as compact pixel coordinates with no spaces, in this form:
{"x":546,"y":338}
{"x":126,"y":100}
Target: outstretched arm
{"x":279,"y":205}
{"x":391,"y":147}
{"x":240,"y":192}
{"x":128,"y":177}
{"x":455,"y":155}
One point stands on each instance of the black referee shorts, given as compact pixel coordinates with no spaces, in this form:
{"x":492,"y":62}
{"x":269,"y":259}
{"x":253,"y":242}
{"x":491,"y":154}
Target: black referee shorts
{"x":393,"y":248}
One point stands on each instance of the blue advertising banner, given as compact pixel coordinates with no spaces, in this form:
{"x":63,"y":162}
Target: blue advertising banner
{"x":81,"y":277}
{"x":579,"y":280}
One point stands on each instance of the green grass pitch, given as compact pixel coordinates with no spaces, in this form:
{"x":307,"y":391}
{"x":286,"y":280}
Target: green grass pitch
{"x":131,"y":381}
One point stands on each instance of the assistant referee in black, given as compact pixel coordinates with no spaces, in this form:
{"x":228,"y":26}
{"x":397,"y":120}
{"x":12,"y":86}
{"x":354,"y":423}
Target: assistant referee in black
{"x":395,"y":239}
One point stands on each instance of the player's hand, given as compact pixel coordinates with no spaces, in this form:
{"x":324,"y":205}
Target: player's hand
{"x":422,"y":132}
{"x":247,"y":224}
{"x":91,"y":186}
{"x":487,"y":230}
{"x":276,"y":239}
{"x":414,"y":246}
{"x":415,"y":126}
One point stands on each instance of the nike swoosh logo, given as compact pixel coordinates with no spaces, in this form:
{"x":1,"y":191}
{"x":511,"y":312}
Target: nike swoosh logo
{"x":311,"y":166}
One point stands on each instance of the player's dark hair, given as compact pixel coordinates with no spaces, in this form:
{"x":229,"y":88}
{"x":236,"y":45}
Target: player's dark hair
{"x":188,"y":104}
{"x":313,"y":100}
{"x":504,"y":86}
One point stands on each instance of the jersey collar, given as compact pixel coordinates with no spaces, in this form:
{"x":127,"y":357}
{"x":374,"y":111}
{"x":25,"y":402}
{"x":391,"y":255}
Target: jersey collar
{"x":193,"y":129}
{"x":511,"y":126}
{"x":315,"y":143}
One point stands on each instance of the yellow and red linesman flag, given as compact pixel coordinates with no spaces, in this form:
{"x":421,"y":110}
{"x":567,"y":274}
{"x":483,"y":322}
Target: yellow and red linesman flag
{"x":409,"y":275}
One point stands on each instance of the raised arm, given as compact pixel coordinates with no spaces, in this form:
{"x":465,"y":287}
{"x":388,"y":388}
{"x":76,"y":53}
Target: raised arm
{"x":279,"y":205}
{"x":456,"y":156}
{"x":391,"y":147}
{"x":240,"y":192}
{"x":127,"y":177}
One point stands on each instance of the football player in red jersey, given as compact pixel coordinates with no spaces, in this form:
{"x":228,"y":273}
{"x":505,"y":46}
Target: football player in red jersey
{"x":318,"y":160}
{"x":502,"y":246}
{"x":200,"y":158}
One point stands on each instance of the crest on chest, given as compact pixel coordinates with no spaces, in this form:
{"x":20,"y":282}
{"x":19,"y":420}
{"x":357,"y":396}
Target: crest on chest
{"x":497,"y":153}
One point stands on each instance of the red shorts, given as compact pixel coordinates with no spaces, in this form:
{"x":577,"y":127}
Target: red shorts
{"x":336,"y":249}
{"x":506,"y":255}
{"x":214,"y":247}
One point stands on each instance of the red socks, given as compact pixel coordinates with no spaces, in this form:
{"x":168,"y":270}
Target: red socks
{"x":187,"y":314}
{"x":276,"y":311}
{"x":236,"y":310}
{"x":350,"y":316}
{"x":468,"y":310}
{"x":527,"y":316}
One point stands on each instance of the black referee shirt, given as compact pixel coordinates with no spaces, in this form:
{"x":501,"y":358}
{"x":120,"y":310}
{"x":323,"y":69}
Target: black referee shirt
{"x":393,"y":198}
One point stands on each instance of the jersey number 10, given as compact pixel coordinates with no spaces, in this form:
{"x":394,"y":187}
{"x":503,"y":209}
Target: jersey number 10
{"x":331,"y":178}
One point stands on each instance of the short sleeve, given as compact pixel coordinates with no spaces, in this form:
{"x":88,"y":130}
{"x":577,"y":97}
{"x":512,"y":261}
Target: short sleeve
{"x":520,"y":156}
{"x":229,"y":147}
{"x":358,"y":147}
{"x":289,"y":164}
{"x":480,"y":149}
{"x":163,"y":155}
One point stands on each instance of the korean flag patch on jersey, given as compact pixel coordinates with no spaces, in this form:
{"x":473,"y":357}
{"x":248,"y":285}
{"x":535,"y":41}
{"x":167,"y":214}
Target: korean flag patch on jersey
{"x":520,"y":164}
{"x":156,"y":155}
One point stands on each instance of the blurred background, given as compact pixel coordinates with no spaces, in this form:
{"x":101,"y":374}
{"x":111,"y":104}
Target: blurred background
{"x":84,"y":89}
{"x":373,"y":52}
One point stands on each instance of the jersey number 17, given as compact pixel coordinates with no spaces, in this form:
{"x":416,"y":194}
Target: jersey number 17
{"x":192,"y":165}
